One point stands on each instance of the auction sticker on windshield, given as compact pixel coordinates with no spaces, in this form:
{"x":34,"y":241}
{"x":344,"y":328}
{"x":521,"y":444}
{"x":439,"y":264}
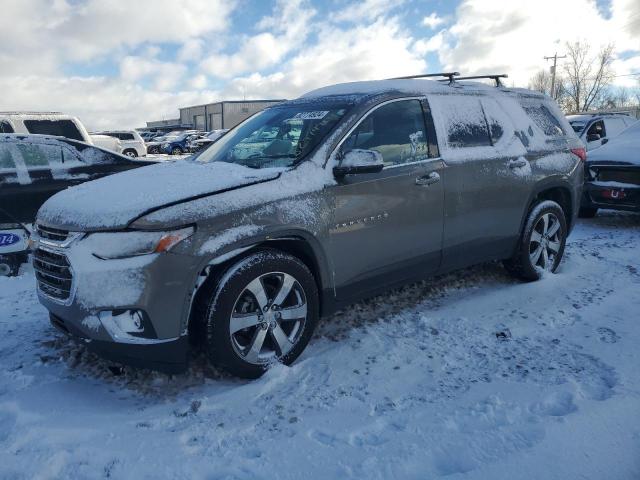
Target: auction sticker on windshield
{"x":316,"y":115}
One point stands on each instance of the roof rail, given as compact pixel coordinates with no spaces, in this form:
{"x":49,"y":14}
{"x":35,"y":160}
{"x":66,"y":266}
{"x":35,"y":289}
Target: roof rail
{"x":495,"y":78}
{"x":449,"y":75}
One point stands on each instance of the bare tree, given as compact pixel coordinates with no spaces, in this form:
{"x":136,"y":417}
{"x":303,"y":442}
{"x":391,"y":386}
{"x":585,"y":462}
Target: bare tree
{"x":587,"y":76}
{"x":541,"y":82}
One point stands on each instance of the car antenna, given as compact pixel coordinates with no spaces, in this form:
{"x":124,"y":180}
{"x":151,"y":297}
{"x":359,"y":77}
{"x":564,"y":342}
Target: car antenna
{"x":449,"y":75}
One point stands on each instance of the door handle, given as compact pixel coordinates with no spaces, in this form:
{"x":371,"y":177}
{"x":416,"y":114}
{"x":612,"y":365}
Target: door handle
{"x":429,"y":179}
{"x":521,"y":162}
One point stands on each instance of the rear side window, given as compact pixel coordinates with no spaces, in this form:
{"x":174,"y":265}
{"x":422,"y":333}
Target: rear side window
{"x":126,"y":136}
{"x":61,"y":128}
{"x":466,"y":125}
{"x":5,"y":127}
{"x":544,"y":118}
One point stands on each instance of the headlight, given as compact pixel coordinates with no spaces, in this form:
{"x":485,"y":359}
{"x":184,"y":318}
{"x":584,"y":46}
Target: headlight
{"x":112,"y":245}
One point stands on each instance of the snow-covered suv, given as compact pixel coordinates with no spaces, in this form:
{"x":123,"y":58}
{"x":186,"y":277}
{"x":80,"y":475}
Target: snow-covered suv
{"x":596,"y":130}
{"x":362,"y":187}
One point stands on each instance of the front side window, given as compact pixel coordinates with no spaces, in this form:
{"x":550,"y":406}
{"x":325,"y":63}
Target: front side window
{"x":60,"y":128}
{"x":395,"y":130}
{"x":597,"y":128}
{"x":276,"y":137}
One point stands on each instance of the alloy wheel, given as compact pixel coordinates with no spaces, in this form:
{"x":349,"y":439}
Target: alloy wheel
{"x":268,"y":318}
{"x":545,"y":242}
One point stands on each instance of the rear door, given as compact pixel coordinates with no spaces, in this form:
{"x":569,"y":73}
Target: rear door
{"x":387,"y":226}
{"x":487,"y":178}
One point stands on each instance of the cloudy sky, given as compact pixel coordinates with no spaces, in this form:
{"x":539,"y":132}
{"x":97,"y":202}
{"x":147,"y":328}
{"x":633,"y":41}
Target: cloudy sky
{"x":118,"y":63}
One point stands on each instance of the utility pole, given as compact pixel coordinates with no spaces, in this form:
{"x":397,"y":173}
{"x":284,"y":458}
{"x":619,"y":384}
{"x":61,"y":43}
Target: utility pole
{"x":553,"y":72}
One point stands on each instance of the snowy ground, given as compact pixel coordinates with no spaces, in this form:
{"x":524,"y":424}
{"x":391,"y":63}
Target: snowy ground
{"x":414,"y":384}
{"x":162,"y":157}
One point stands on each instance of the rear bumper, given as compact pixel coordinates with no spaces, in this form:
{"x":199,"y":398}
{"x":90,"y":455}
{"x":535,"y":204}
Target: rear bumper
{"x":616,"y":197}
{"x":169,"y":357}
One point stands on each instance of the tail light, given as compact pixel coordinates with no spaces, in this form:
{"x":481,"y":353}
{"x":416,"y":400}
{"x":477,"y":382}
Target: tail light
{"x":581,"y":153}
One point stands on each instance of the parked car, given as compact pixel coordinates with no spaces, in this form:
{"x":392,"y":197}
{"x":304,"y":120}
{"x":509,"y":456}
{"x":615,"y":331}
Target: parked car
{"x":180,"y":144}
{"x":207,"y":139}
{"x":44,"y":123}
{"x":107,"y":142}
{"x":158,"y":143}
{"x":33,"y":168}
{"x":612,"y":175}
{"x":597,"y":129}
{"x":132,"y":143}
{"x":148,"y":136}
{"x":380,"y":183}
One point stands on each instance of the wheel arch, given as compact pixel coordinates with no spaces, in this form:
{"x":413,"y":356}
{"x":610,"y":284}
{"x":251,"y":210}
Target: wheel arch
{"x":558,"y":190}
{"x":298,"y":243}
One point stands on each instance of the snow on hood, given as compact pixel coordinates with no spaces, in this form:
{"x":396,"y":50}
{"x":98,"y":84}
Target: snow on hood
{"x":623,"y":148}
{"x":115,"y":201}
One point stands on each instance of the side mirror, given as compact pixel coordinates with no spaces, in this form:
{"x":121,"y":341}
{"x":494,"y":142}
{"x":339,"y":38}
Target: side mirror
{"x":604,"y":140}
{"x":359,"y":161}
{"x":593,"y":137}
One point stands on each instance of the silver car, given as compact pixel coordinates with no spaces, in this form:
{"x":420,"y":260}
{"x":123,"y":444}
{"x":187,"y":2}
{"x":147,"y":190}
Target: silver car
{"x":353,"y":189}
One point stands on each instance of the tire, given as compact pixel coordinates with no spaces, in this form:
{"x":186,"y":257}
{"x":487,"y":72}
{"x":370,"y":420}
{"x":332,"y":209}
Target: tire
{"x":10,"y":264}
{"x":280,"y":324}
{"x":541,"y":244}
{"x":176,"y":151}
{"x":587,"y":212}
{"x":130,"y":153}
{"x":153,"y":150}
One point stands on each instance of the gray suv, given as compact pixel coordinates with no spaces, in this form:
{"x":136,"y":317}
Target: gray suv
{"x":305,"y":208}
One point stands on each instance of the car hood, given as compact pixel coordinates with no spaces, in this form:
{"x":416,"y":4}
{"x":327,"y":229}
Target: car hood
{"x":624,"y":150}
{"x":114,"y":202}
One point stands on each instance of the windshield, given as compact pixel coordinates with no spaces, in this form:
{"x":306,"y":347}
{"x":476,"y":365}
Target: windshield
{"x":276,"y":137}
{"x":577,"y":126}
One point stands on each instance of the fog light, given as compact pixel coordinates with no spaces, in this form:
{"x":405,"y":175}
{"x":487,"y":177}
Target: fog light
{"x":127,"y":325}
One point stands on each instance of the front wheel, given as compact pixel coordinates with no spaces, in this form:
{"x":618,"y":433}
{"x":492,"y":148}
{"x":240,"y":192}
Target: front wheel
{"x":542,"y":242}
{"x":176,"y":151}
{"x":262,"y":310}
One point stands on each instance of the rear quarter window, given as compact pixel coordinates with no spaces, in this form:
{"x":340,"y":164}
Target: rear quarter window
{"x":61,"y":128}
{"x":544,"y":118}
{"x":6,"y":127}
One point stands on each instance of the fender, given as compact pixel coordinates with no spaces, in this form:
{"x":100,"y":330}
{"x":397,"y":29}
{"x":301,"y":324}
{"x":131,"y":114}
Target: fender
{"x":556,"y":181}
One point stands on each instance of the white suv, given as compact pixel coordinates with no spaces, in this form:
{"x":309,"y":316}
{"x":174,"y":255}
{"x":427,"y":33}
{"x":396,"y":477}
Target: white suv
{"x":45,"y":123}
{"x":132,"y":143}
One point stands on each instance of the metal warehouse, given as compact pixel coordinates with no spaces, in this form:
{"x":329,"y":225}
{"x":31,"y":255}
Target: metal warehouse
{"x":213,"y":116}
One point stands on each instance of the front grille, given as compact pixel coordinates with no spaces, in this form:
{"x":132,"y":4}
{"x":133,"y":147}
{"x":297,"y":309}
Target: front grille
{"x":50,"y":233}
{"x":53,"y":273}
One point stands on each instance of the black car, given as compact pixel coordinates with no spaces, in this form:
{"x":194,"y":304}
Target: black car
{"x":612,"y":175}
{"x":32,"y":169}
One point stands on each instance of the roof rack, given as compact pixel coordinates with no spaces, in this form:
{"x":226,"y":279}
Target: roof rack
{"x":449,"y":75}
{"x":495,"y":78}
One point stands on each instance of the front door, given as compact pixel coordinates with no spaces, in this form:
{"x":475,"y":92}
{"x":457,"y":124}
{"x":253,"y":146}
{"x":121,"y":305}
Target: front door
{"x":387,"y":226}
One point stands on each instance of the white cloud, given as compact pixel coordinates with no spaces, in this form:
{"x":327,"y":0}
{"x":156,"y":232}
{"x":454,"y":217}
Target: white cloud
{"x":365,"y":10}
{"x":494,"y":36}
{"x":99,"y":102}
{"x":380,"y":50}
{"x":165,"y":75}
{"x":432,"y":44}
{"x":290,"y":25}
{"x":433,"y":20}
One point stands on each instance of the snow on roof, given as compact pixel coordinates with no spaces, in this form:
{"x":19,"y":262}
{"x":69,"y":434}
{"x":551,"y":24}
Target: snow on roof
{"x":412,"y":86}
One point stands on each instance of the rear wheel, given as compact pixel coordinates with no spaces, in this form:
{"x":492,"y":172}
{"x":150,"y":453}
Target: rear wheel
{"x":262,"y":310}
{"x":587,"y":212}
{"x":542,"y":242}
{"x":130,"y":153}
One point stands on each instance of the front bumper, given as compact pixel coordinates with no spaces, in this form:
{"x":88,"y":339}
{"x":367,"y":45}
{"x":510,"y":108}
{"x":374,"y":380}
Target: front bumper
{"x":158,"y":285}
